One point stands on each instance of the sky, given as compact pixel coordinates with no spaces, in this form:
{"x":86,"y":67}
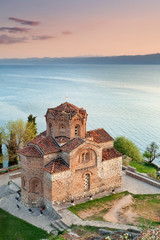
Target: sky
{"x":68,"y":28}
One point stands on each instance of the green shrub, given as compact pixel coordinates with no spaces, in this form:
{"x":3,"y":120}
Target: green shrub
{"x":128,"y":148}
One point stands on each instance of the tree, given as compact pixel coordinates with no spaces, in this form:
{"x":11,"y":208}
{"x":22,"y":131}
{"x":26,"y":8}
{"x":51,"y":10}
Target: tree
{"x":12,"y":149}
{"x":128,"y":148}
{"x":15,"y":135}
{"x":1,"y":153}
{"x":151,"y":152}
{"x":32,"y":120}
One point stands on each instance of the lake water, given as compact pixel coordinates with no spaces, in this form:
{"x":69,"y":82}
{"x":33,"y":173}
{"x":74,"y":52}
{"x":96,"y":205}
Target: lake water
{"x":123,"y":99}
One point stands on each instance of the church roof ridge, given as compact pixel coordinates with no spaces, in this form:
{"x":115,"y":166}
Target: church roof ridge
{"x":68,"y":108}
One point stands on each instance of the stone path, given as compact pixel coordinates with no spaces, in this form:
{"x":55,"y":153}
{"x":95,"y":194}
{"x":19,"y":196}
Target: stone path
{"x":69,"y":218}
{"x":136,"y":186}
{"x":9,"y":204}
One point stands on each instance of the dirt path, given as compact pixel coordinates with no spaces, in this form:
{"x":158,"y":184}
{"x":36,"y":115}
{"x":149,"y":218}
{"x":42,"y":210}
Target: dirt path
{"x":113,"y":214}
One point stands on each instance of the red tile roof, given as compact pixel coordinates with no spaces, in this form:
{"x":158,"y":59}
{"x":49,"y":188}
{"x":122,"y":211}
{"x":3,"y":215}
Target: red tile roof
{"x":72,"y":144}
{"x":67,"y":108}
{"x":56,"y":165}
{"x":48,"y":145}
{"x":30,"y":151}
{"x":110,"y":154}
{"x":99,"y":135}
{"x":62,"y":139}
{"x":39,"y":137}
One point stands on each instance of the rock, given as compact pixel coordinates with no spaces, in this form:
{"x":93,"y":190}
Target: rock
{"x":133,"y":230}
{"x":105,"y":232}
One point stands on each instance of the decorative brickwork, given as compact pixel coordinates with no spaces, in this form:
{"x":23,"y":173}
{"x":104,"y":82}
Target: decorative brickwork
{"x":65,"y":162}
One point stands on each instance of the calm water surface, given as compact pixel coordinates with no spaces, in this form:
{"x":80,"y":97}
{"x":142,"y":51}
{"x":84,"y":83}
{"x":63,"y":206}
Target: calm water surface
{"x":124,"y":99}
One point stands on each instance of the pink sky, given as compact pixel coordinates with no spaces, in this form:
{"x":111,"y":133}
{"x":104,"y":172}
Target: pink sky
{"x":65,"y":28}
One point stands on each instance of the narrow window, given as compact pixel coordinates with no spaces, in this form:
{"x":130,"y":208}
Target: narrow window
{"x":62,"y":130}
{"x":77,"y":130}
{"x":86,"y":182}
{"x":83,"y":157}
{"x":23,"y":183}
{"x":87,"y":157}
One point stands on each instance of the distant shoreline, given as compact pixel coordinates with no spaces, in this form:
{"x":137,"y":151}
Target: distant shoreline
{"x":150,"y":59}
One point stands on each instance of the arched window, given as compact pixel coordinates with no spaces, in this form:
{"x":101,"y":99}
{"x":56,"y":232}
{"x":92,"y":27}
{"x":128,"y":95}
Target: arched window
{"x":23,"y":182}
{"x":85,"y":157}
{"x":62,"y":130}
{"x":35,"y":185}
{"x":86,"y":181}
{"x":77,"y":130}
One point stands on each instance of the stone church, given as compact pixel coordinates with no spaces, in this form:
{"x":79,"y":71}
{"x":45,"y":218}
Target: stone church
{"x":66,"y":162}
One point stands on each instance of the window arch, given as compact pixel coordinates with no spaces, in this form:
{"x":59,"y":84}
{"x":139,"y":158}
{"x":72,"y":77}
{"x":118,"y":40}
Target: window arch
{"x":62,"y":130}
{"x":85,"y":157}
{"x":35,"y":185}
{"x":23,"y":182}
{"x":77,"y":130}
{"x":87,"y":181}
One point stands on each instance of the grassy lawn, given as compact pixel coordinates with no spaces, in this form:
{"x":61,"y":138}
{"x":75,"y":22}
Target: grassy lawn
{"x":100,"y":203}
{"x":147,"y":208}
{"x":144,"y":167}
{"x":13,"y":228}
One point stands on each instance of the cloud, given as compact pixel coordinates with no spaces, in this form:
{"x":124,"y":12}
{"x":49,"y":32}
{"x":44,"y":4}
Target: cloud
{"x":14,"y":29}
{"x":5,"y":39}
{"x":43,"y":37}
{"x":25,"y":22}
{"x":66,"y":32}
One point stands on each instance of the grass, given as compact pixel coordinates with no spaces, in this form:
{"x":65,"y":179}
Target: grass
{"x":16,"y":229}
{"x":85,"y":232}
{"x":144,"y":167}
{"x":146,"y":206}
{"x":96,"y":203}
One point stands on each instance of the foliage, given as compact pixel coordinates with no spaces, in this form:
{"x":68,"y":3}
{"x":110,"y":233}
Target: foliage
{"x":1,"y":154}
{"x":126,"y":161}
{"x":12,"y":149}
{"x":128,"y":148}
{"x":32,"y":120}
{"x":29,"y":133}
{"x":150,"y":234}
{"x":14,"y":228}
{"x":1,"y":144}
{"x":24,"y":132}
{"x":151,"y":152}
{"x":15,"y":135}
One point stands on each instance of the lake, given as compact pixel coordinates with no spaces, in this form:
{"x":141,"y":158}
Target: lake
{"x":123,"y":99}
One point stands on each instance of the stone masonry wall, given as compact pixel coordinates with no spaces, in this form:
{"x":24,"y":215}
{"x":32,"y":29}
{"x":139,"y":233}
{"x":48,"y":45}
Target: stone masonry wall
{"x":32,"y":183}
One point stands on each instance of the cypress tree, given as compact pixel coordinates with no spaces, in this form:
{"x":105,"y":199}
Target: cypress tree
{"x":32,"y":120}
{"x":12,"y":149}
{"x":1,"y":153}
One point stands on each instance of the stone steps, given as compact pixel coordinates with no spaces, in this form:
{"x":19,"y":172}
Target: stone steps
{"x":58,"y":225}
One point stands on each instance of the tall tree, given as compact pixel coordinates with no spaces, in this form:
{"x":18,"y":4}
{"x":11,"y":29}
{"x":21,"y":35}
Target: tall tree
{"x":1,"y":153}
{"x":12,"y":149}
{"x":15,"y":135}
{"x":151,"y":152}
{"x":32,"y":119}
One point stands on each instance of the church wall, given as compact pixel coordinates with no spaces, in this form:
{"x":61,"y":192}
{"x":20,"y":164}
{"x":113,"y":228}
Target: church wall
{"x":111,"y":172}
{"x":104,"y":176}
{"x":49,"y":157}
{"x":32,"y":184}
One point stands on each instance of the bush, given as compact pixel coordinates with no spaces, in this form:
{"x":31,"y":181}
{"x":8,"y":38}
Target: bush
{"x":126,"y":161}
{"x":128,"y":148}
